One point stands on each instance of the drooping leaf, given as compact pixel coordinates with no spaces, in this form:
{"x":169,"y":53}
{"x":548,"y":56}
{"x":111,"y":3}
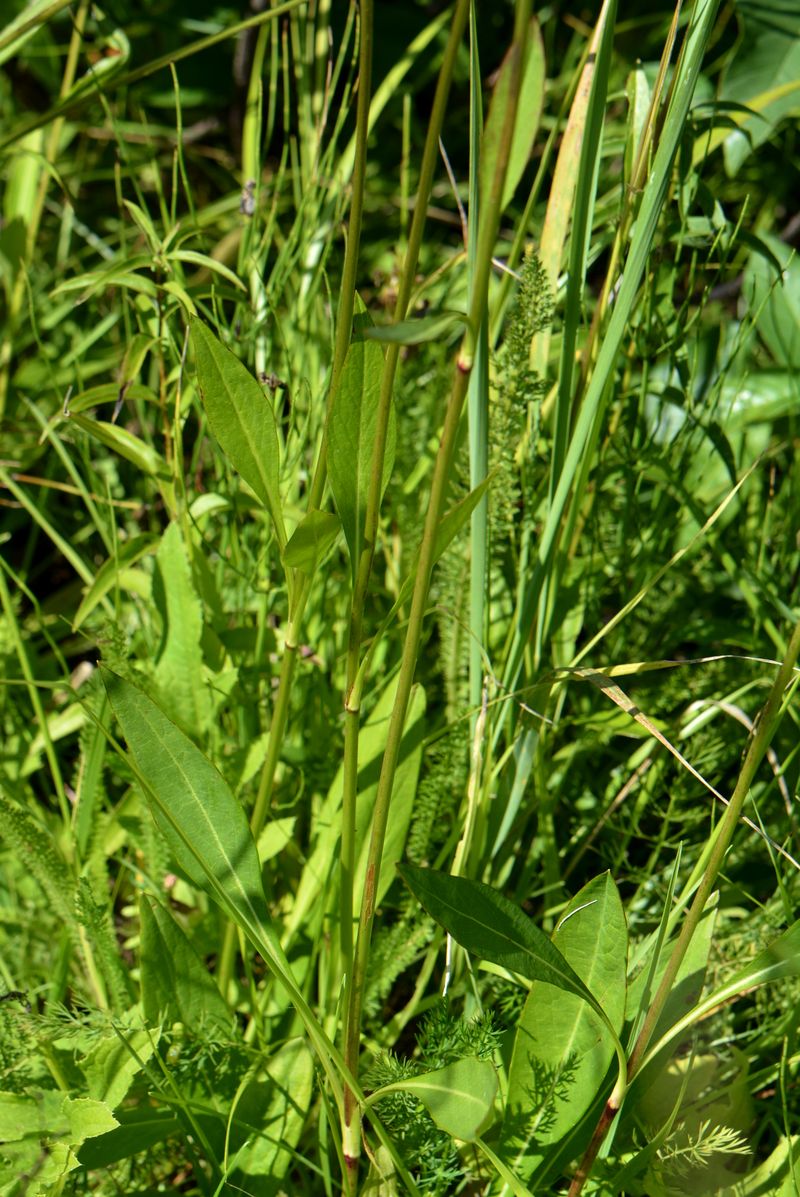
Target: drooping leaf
{"x":562,"y":1049}
{"x":108,"y":392}
{"x":459,"y":1097}
{"x":351,"y":440}
{"x":120,"y":441}
{"x":529,"y":111}
{"x":176,"y":985}
{"x":241,"y":418}
{"x":311,"y":540}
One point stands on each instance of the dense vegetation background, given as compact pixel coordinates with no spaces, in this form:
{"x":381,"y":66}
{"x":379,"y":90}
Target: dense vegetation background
{"x":201,"y":254}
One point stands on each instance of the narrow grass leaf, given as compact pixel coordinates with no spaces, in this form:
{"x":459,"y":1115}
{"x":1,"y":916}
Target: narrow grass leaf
{"x":241,"y":418}
{"x":120,"y":441}
{"x":529,"y":111}
{"x":417,"y":332}
{"x":109,"y":392}
{"x":459,"y":1097}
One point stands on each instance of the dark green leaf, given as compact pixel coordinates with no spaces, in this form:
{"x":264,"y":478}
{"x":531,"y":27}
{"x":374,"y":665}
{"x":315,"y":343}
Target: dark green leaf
{"x":488,"y":925}
{"x":176,"y":985}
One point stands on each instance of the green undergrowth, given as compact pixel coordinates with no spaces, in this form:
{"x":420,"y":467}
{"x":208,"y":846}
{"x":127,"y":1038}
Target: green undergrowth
{"x":398,"y":600}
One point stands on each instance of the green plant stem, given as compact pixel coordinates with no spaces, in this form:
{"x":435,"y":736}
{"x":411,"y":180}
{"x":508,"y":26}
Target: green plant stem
{"x":301,"y":589}
{"x":266,"y":782}
{"x":764,"y":730}
{"x":344,"y":315}
{"x":354,"y":676}
{"x":490,"y":219}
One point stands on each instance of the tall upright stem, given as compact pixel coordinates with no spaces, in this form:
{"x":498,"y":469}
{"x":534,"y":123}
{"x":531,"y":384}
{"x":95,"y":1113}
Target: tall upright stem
{"x":490,"y":219}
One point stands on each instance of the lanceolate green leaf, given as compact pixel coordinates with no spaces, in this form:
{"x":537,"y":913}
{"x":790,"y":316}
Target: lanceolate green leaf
{"x":459,"y":1096}
{"x":488,"y":925}
{"x":351,"y":438}
{"x":208,"y":833}
{"x":241,"y":417}
{"x":176,"y":985}
{"x":531,"y":96}
{"x":190,"y":800}
{"x":562,"y":1049}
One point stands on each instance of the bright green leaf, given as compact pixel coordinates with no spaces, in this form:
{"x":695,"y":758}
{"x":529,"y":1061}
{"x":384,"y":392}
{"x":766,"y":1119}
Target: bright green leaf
{"x":351,"y":439}
{"x":311,"y":540}
{"x":241,"y":417}
{"x":459,"y":1097}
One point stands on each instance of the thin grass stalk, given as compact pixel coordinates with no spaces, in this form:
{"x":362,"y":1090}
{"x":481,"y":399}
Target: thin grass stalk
{"x":760,"y":739}
{"x":354,"y":674}
{"x":301,"y":588}
{"x":477,"y":403}
{"x":587,"y":425}
{"x":489,"y":225}
{"x":33,"y":219}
